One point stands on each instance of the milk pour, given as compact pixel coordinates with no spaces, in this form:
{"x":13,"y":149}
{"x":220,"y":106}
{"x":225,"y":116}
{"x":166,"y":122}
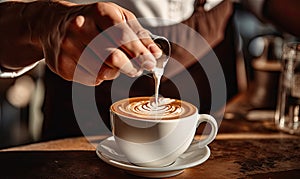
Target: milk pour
{"x":158,"y":71}
{"x":157,"y":74}
{"x":161,"y":62}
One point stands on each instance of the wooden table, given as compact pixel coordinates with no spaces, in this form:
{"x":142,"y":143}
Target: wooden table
{"x":242,"y":149}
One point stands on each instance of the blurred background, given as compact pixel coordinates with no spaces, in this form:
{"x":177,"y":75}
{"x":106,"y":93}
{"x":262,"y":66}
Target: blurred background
{"x":21,"y":99}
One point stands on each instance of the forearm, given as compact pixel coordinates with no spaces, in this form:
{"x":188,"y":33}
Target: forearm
{"x":15,"y":38}
{"x":26,"y":30}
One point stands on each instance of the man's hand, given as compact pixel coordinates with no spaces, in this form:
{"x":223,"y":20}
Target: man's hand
{"x":97,"y":41}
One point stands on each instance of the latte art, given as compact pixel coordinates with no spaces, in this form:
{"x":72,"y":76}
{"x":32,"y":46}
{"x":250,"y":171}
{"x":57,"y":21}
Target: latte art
{"x":147,"y":108}
{"x":164,"y":108}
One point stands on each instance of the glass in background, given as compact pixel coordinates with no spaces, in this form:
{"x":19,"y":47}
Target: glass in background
{"x":287,"y":117}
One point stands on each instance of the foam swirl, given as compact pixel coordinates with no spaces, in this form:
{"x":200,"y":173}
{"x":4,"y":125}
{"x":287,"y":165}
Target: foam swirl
{"x":163,"y":109}
{"x":146,"y":108}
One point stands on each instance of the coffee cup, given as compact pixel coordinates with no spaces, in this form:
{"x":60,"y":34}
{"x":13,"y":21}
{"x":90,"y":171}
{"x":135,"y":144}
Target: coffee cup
{"x":155,"y":135}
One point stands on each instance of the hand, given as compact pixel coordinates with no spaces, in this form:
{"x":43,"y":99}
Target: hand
{"x":63,"y":31}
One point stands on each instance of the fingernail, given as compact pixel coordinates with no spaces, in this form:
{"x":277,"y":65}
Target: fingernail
{"x":148,"y":65}
{"x":155,"y":50}
{"x":135,"y":73}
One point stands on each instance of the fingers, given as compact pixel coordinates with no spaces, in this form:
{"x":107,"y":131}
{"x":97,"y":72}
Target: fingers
{"x":142,"y":34}
{"x":84,"y":77}
{"x":91,"y":63}
{"x":126,"y":40}
{"x":108,"y":73}
{"x":84,"y":72}
{"x":102,"y":42}
{"x":105,"y":73}
{"x":129,"y":35}
{"x":118,"y":60}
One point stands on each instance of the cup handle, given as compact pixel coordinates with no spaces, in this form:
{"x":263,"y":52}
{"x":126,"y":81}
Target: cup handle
{"x":214,"y":129}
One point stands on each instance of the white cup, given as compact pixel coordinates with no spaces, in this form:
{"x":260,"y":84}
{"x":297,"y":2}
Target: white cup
{"x":157,"y":142}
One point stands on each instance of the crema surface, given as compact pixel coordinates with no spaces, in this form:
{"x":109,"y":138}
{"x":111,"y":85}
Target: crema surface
{"x":146,"y":108}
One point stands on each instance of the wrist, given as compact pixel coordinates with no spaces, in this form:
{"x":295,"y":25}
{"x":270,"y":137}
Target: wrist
{"x":47,"y":23}
{"x":31,"y":29}
{"x":47,"y":18}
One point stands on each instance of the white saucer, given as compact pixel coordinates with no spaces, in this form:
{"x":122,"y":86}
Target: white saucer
{"x":108,"y":151}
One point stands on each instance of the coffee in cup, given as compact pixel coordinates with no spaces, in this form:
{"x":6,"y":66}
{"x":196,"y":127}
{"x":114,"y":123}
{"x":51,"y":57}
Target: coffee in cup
{"x":154,"y":134}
